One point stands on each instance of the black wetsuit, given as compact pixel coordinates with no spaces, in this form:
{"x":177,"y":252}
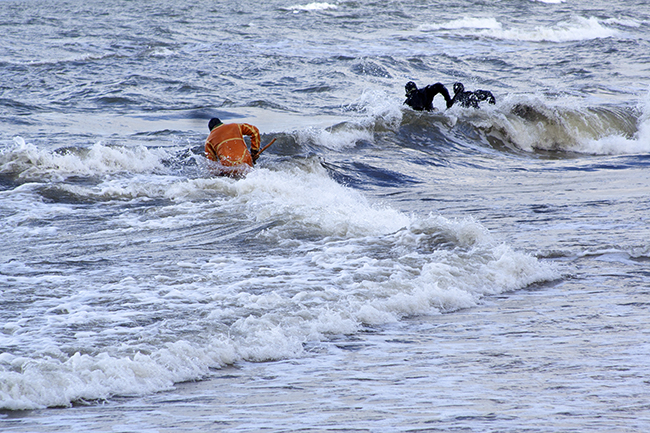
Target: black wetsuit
{"x":470,"y":99}
{"x":422,"y":99}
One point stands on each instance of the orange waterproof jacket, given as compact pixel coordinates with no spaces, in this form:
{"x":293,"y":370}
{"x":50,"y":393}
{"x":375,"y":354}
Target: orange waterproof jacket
{"x":226,"y":144}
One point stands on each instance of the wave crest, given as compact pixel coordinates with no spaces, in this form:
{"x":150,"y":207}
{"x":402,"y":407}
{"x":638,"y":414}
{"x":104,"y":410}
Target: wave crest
{"x":533,"y":124}
{"x":26,"y":161}
{"x":577,"y":29}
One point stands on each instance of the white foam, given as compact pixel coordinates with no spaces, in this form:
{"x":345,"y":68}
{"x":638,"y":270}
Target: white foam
{"x":352,"y":262}
{"x":64,"y":57}
{"x":577,"y":29}
{"x":615,"y":144}
{"x":464,"y":23}
{"x":310,"y":7}
{"x":51,"y":382}
{"x":371,"y":110}
{"x":376,"y":107}
{"x":28,"y":161}
{"x":21,"y":206}
{"x":334,"y":139}
{"x":310,"y":201}
{"x":532,"y":122}
{"x":618,"y":145}
{"x":625,"y":22}
{"x":432,"y":265}
{"x":435,"y":278}
{"x":161,"y":52}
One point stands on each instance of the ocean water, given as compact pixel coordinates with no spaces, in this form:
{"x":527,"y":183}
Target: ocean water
{"x":381,"y":269}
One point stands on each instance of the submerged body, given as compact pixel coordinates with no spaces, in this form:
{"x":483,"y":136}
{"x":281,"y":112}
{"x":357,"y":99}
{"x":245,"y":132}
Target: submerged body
{"x":422,"y":99}
{"x":471,"y":99}
{"x":226,"y":145}
{"x":372,"y":269}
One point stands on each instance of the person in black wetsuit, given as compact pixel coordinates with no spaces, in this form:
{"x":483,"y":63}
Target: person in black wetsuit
{"x":422,"y":99}
{"x":470,"y":99}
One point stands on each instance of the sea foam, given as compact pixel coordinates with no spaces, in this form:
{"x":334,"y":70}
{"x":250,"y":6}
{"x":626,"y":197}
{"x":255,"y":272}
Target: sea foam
{"x":533,"y":122}
{"x":577,"y":29}
{"x":355,"y":264}
{"x":310,"y":7}
{"x":27,"y":161}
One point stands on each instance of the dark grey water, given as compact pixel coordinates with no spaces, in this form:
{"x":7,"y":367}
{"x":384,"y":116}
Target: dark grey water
{"x":380,"y":270}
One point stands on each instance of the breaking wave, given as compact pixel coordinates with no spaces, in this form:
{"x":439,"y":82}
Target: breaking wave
{"x":577,"y":29}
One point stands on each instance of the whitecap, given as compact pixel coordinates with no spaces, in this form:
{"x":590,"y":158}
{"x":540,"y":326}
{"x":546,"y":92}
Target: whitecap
{"x":616,"y":143}
{"x":28,"y":161}
{"x":464,"y":23}
{"x":577,"y":29}
{"x":316,"y":6}
{"x":365,"y":264}
{"x":533,"y":123}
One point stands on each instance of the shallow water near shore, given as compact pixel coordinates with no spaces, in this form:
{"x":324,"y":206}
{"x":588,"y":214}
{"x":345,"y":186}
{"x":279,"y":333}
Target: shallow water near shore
{"x":380,"y":269}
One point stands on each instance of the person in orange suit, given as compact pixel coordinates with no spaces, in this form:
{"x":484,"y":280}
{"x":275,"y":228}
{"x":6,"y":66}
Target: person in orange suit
{"x":226,"y":144}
